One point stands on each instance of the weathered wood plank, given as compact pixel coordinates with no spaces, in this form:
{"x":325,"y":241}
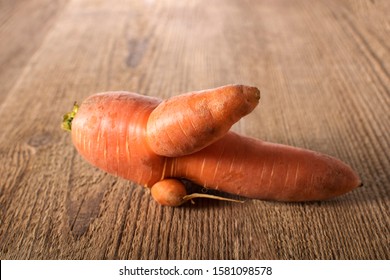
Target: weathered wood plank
{"x":23,"y":26}
{"x":322,"y":67}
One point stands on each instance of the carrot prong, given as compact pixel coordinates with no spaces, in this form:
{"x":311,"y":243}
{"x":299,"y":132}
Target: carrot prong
{"x":115,"y":131}
{"x":208,"y":116}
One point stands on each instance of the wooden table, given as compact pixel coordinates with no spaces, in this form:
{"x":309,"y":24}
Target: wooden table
{"x":323,"y":70}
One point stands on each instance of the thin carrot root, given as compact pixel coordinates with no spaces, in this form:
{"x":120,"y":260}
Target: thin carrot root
{"x":172,"y":192}
{"x":210,"y":196}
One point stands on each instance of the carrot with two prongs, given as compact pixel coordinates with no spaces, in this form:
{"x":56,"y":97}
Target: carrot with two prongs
{"x":147,"y":140}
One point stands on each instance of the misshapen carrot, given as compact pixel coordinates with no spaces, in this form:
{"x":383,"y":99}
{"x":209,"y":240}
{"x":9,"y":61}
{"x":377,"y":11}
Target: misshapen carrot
{"x":146,"y":140}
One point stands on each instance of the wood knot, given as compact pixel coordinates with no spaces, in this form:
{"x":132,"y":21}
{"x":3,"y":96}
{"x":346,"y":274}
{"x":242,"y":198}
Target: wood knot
{"x":40,"y":140}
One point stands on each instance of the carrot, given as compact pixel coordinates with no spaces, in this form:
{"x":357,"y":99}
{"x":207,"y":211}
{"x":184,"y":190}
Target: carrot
{"x":147,"y":140}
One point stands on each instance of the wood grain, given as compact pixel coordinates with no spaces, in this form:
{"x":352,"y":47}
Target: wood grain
{"x":23,"y":26}
{"x":323,"y":70}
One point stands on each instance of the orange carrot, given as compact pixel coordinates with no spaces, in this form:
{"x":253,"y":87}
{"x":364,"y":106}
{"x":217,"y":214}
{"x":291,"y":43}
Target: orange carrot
{"x":146,"y":140}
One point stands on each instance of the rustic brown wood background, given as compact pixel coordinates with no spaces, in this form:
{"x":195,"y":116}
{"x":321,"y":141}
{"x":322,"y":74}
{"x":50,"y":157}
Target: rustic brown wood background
{"x":323,"y":70}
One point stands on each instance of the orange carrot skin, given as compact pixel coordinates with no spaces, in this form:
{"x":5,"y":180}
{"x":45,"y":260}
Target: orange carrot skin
{"x":169,"y":192}
{"x":257,"y":169}
{"x":176,"y":134}
{"x":109,"y":131}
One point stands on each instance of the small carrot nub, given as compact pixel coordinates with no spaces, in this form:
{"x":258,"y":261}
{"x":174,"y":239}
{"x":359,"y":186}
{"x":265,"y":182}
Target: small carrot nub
{"x":172,"y":192}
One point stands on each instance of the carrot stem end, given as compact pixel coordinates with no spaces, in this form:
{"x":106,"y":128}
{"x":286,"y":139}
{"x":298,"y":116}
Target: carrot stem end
{"x":68,"y":118}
